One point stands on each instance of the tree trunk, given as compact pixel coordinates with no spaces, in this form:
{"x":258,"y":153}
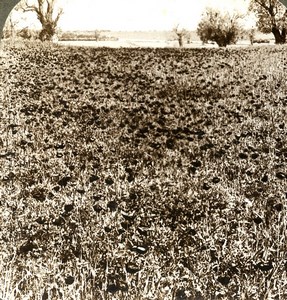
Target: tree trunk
{"x":280,"y":37}
{"x":221,"y":42}
{"x":47,"y":32}
{"x":180,"y":40}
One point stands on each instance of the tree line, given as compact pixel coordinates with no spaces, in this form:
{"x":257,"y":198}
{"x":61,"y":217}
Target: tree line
{"x":225,"y":29}
{"x":215,"y":26}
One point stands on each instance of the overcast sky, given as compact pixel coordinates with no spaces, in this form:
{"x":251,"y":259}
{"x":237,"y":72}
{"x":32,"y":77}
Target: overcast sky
{"x":138,"y":14}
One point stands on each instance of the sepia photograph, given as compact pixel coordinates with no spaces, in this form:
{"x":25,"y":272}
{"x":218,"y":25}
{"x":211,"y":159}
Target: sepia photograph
{"x":143,"y":150}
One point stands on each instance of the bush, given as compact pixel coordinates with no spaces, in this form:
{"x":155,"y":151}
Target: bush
{"x":223,"y":29}
{"x":261,"y":41}
{"x":25,"y":33}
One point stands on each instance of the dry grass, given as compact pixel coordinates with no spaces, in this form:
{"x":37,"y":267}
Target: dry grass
{"x":143,"y":174}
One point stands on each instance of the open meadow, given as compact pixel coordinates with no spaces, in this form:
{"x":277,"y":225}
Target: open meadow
{"x":143,"y":173}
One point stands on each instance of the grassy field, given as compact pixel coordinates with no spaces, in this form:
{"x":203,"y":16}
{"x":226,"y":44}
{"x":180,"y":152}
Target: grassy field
{"x":143,"y":173}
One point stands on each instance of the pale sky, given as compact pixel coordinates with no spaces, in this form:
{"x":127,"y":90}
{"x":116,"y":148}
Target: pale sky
{"x":138,"y":14}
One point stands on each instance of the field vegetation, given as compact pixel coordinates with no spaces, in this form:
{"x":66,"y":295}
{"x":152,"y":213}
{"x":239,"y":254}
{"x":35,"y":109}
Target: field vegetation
{"x":143,"y":173}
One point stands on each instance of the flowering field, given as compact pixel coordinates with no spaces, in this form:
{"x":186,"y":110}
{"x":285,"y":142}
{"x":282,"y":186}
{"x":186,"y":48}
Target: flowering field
{"x":143,"y":173}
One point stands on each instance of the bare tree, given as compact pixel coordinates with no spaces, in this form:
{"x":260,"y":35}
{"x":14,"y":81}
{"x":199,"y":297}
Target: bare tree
{"x":97,"y":35}
{"x":180,"y":33}
{"x":48,"y":16}
{"x":251,"y":35}
{"x":9,"y":30}
{"x":5,"y":8}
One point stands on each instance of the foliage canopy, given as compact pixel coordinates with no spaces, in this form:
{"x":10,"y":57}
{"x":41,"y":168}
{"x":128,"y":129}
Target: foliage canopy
{"x":224,"y":29}
{"x":271,"y":18}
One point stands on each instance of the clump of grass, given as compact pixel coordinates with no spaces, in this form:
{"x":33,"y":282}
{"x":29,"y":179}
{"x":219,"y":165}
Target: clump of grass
{"x":124,"y":182}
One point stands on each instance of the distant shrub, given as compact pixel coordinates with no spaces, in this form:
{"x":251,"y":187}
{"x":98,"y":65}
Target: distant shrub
{"x":261,"y":41}
{"x":25,"y":33}
{"x":222,"y":29}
